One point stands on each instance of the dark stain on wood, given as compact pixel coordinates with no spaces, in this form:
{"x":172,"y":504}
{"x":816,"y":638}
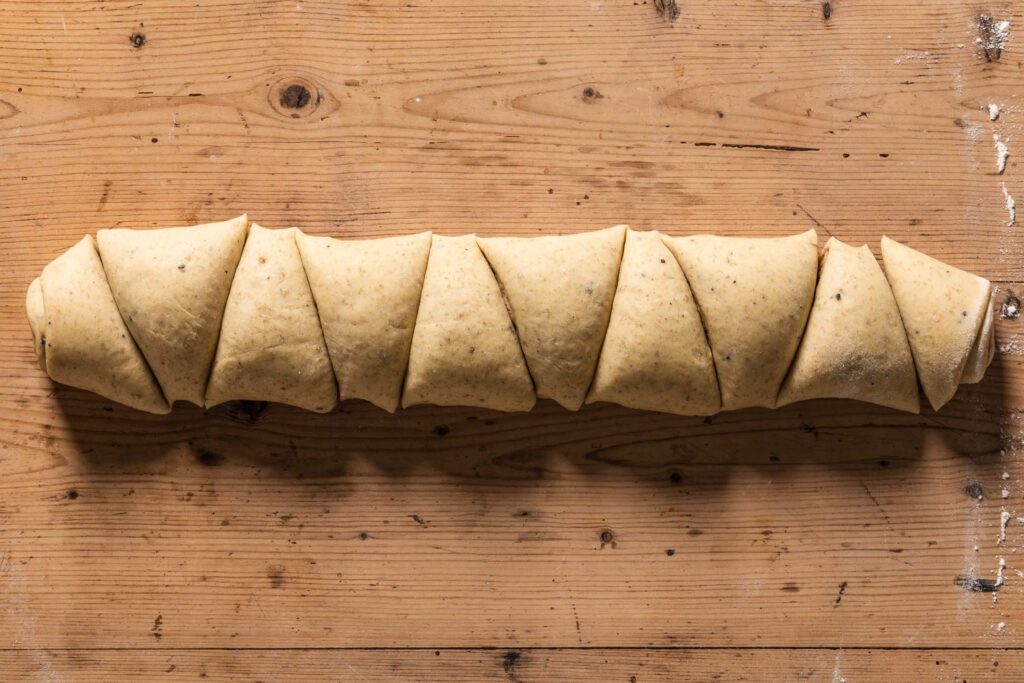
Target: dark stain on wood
{"x":974,"y":490}
{"x":839,"y":596}
{"x":989,"y":39}
{"x":509,"y":662}
{"x":137,"y":40}
{"x":669,"y":9}
{"x":591,"y":94}
{"x":826,"y":10}
{"x":158,"y":627}
{"x":275,"y":573}
{"x":1010,"y":309}
{"x":973,"y":584}
{"x":790,"y":587}
{"x":208,"y":458}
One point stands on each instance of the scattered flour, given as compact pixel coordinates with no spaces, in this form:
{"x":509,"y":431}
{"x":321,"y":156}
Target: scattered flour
{"x":1002,"y":153}
{"x":1006,"y":494}
{"x":1004,"y":519}
{"x":993,"y":111}
{"x":1006,"y":475}
{"x":1011,"y":207}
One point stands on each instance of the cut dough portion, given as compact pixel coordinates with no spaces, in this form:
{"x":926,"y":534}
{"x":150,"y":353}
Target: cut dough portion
{"x":854,"y":346}
{"x":655,"y":354}
{"x":559,"y":291}
{"x":171,"y":285}
{"x":464,"y":348}
{"x":271,"y":347}
{"x":754,"y":295}
{"x":944,"y":310}
{"x":984,"y":347}
{"x":367,"y":293}
{"x":80,"y":337}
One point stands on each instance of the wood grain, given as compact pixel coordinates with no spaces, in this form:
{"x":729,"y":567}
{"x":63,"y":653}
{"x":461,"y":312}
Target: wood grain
{"x":626,"y":665}
{"x":809,"y":530}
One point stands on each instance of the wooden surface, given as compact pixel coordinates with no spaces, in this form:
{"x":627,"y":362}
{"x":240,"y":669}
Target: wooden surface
{"x":824,"y":541}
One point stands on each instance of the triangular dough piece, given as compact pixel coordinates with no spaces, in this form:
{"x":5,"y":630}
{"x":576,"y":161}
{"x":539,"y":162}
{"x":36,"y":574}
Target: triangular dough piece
{"x":171,"y":285}
{"x":271,"y":347}
{"x":754,"y":295}
{"x":367,"y":293}
{"x":943,"y":310}
{"x":854,"y":346}
{"x":559,"y":291}
{"x":464,"y":348}
{"x":984,"y":347}
{"x":80,"y":337}
{"x":655,"y":355}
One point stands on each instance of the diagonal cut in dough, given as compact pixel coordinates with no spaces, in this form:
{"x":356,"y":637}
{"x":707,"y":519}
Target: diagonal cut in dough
{"x":948,"y":316}
{"x":271,"y":347}
{"x":559,"y":290}
{"x":367,"y":293}
{"x":655,"y":355}
{"x":80,"y":338}
{"x":854,"y":346}
{"x":754,"y":295}
{"x":464,"y":347}
{"x":171,"y":285}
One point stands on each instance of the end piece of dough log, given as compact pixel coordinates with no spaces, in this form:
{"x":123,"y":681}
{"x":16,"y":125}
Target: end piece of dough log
{"x":171,"y":285}
{"x":754,"y":295}
{"x":559,"y":291}
{"x":655,"y":354}
{"x":854,"y":346}
{"x":944,"y":310}
{"x":367,"y":293}
{"x":271,"y":347}
{"x":80,"y":337}
{"x":464,"y":347}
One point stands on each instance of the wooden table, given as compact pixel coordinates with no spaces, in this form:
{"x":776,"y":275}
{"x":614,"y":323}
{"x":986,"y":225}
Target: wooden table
{"x":824,"y":541}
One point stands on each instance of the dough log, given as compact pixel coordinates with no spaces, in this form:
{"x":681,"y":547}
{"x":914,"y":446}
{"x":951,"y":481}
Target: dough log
{"x":684,"y":325}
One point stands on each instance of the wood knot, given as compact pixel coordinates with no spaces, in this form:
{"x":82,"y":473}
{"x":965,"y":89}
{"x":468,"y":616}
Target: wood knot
{"x":590,"y":94}
{"x":137,"y":39}
{"x":826,"y":10}
{"x":297,"y":97}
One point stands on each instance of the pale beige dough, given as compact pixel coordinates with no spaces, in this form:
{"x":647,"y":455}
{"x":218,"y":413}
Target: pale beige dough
{"x":464,"y":347}
{"x":559,"y":290}
{"x":854,"y":345}
{"x":754,"y":295}
{"x":271,"y":347}
{"x":655,"y":355}
{"x":171,"y":285}
{"x":80,"y":337}
{"x":367,"y":293}
{"x":945,"y":311}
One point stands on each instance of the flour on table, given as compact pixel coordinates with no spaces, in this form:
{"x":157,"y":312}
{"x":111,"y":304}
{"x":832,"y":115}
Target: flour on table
{"x":1011,"y":207}
{"x":1001,"y":154}
{"x":993,"y":111}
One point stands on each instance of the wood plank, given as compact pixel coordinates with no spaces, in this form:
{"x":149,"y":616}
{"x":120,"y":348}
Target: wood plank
{"x":827,"y":525}
{"x":510,"y":119}
{"x":816,"y":524}
{"x":632,"y":666}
